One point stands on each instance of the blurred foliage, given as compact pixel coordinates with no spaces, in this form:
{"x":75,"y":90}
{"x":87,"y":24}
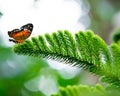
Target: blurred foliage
{"x":116,"y":35}
{"x":102,"y":13}
{"x":82,"y":90}
{"x":85,"y":90}
{"x":16,"y":71}
{"x":1,"y":14}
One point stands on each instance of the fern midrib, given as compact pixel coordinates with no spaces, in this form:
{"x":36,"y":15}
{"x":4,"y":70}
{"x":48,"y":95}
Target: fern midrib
{"x":60,"y":57}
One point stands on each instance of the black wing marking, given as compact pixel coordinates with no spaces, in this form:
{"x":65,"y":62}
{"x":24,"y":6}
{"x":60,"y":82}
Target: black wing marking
{"x":28,"y":26}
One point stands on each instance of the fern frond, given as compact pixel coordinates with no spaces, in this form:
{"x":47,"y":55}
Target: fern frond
{"x":112,"y":72}
{"x":82,"y":90}
{"x":84,"y":50}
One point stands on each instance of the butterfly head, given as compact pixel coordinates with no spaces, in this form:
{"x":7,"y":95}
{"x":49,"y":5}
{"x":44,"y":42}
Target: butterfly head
{"x":13,"y":31}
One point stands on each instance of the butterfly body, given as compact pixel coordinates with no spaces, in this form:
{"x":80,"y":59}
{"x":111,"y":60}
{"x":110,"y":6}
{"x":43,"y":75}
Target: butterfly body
{"x":20,"y":35}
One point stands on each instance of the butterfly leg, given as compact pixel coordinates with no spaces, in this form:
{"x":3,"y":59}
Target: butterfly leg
{"x":12,"y":40}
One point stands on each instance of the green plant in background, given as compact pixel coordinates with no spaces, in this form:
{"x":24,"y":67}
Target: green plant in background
{"x":82,"y":90}
{"x":15,"y":71}
{"x":84,"y":49}
{"x":116,"y":36}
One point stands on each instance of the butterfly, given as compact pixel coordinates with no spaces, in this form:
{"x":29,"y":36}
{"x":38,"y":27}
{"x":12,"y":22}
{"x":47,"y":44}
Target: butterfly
{"x":20,"y":35}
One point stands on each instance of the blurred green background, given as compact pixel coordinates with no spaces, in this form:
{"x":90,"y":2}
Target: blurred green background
{"x":31,"y":76}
